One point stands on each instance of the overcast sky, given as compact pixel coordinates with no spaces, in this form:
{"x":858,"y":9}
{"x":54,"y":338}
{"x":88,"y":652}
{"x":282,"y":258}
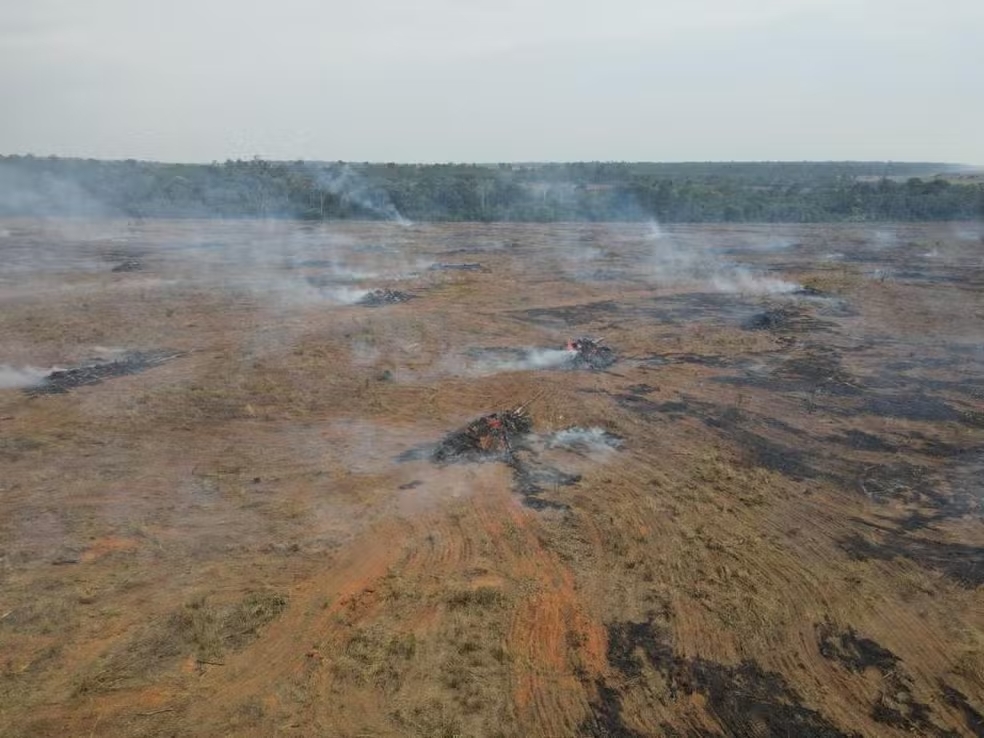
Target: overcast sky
{"x":494,"y":80}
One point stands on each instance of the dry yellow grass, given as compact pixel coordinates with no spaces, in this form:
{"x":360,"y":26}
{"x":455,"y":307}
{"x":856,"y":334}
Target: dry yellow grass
{"x":236,"y":542}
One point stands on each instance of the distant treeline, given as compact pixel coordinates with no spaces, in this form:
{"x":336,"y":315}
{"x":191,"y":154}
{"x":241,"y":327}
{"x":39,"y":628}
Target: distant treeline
{"x":596,"y":191}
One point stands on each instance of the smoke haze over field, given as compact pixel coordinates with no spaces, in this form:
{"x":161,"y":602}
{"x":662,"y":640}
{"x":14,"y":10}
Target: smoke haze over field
{"x":671,"y":262}
{"x":20,"y":377}
{"x":547,"y":80}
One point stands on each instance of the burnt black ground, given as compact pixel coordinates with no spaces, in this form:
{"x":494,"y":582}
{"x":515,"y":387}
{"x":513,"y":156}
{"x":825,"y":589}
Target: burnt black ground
{"x":743,"y":698}
{"x":61,"y":381}
{"x":896,"y":704}
{"x":378,"y":298}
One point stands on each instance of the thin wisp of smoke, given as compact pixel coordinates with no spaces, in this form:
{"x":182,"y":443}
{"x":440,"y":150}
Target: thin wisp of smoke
{"x":352,"y":188}
{"x":20,"y":377}
{"x":591,"y":440}
{"x":527,"y":359}
{"x":669,"y":262}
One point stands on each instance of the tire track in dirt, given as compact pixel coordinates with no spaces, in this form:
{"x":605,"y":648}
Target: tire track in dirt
{"x":485,"y":539}
{"x":555,"y":646}
{"x":282,"y":649}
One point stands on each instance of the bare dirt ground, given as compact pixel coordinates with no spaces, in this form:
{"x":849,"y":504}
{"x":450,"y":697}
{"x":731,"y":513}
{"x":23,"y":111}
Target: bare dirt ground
{"x":766,"y":522}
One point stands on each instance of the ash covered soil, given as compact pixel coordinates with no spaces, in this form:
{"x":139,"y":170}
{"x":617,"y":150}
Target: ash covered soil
{"x":229,"y":503}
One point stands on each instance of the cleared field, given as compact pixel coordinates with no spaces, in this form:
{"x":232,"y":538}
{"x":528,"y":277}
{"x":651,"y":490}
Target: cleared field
{"x":221,"y":514}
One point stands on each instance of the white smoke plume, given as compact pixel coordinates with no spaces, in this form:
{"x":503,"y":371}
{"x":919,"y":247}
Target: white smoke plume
{"x":530,"y":359}
{"x":592,"y":440}
{"x":23,"y":194}
{"x":16,"y":378}
{"x":344,"y":295}
{"x":741,"y":280}
{"x":670,"y":262}
{"x":351,"y":187}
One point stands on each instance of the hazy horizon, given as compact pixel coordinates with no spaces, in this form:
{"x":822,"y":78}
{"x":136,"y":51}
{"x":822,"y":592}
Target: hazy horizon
{"x":539,"y":82}
{"x":957,"y":165}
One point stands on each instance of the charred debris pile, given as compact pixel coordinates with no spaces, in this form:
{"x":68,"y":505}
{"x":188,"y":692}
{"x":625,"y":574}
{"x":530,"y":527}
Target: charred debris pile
{"x":126,"y":260}
{"x":502,"y":436}
{"x":467,"y":267}
{"x":491,"y":436}
{"x":63,"y":380}
{"x":775,"y":318}
{"x":577,"y":354}
{"x":378,"y":298}
{"x":590,"y":353}
{"x":128,"y":265}
{"x":786,"y":318}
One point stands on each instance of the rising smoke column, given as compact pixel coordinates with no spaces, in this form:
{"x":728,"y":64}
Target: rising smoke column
{"x":669,"y":262}
{"x":353,"y":189}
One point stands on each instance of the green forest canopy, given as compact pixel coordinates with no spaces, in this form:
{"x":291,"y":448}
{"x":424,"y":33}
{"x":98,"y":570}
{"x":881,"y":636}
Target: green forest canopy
{"x":585,"y":191}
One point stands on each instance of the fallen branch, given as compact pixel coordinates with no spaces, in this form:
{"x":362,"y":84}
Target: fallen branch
{"x":210,"y":663}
